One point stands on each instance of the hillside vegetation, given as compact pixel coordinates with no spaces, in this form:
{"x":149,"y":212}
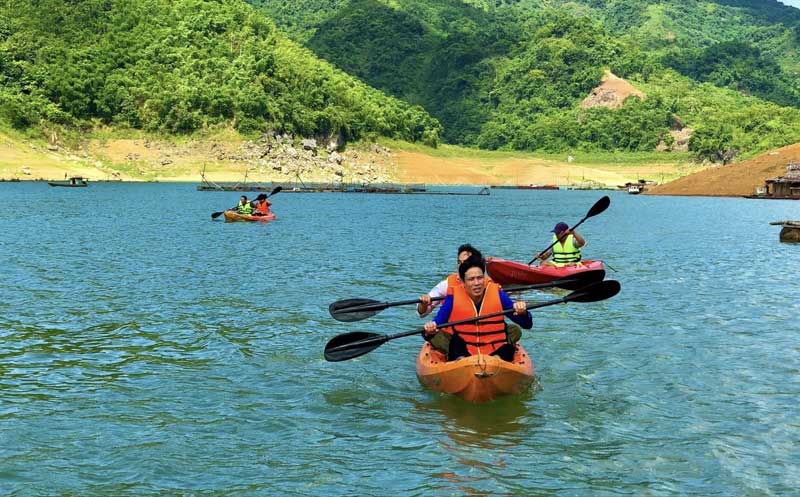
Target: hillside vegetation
{"x":510,"y":74}
{"x":490,"y":74}
{"x":178,"y":67}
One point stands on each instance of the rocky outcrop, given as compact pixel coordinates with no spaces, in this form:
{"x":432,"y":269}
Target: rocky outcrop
{"x":680,"y":141}
{"x":612,"y":93}
{"x":305,"y":160}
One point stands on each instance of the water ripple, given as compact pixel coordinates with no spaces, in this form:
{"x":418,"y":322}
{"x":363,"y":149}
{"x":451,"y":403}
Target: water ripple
{"x":146,"y":353}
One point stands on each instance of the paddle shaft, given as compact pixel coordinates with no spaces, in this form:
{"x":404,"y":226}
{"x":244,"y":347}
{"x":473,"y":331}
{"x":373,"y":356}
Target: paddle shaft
{"x":355,"y":344}
{"x":386,"y":338}
{"x":384,"y":305}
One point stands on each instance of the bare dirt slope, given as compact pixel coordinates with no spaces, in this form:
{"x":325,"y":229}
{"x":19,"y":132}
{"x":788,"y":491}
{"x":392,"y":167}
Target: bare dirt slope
{"x":733,"y":179}
{"x":28,"y":160}
{"x":417,"y":167}
{"x":612,"y":93}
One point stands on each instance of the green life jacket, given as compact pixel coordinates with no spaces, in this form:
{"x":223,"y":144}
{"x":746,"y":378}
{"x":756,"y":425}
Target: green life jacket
{"x":245,"y":209}
{"x":566,"y":253}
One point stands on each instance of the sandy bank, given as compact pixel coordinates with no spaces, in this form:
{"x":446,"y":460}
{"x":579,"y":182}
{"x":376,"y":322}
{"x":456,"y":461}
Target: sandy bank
{"x":227,"y":158}
{"x":733,"y":180}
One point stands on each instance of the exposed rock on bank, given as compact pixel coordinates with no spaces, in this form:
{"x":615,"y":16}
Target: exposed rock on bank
{"x":272,"y":157}
{"x":281,"y":157}
{"x":612,"y":93}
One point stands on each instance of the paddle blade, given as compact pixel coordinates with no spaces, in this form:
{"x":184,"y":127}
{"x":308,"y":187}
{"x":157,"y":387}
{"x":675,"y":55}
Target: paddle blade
{"x":352,"y":345}
{"x":215,"y":215}
{"x":350,"y":310}
{"x":580,"y":280}
{"x":599,"y":206}
{"x":595,"y":292}
{"x":279,"y":188}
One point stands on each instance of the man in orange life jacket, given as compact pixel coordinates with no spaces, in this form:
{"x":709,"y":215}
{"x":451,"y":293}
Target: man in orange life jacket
{"x":445,"y":287}
{"x":471,"y":299}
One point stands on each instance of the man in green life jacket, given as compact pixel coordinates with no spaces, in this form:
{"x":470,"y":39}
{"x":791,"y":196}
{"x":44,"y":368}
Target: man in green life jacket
{"x":244,"y":206}
{"x":567,"y":248}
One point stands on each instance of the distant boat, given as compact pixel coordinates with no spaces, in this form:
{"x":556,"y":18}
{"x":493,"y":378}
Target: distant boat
{"x":73,"y":182}
{"x":635,"y":189}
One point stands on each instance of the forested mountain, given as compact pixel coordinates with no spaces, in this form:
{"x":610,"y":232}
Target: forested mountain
{"x":511,"y":73}
{"x":180,"y":66}
{"x":507,"y":74}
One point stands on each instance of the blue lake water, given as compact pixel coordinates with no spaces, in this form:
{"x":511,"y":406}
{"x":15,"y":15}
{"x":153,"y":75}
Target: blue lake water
{"x":148,"y":350}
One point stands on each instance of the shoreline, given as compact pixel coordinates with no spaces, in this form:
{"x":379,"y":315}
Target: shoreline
{"x":232,"y":160}
{"x":395,"y":183}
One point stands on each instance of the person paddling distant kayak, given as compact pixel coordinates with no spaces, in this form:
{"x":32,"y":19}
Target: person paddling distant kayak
{"x":261,"y":205}
{"x":566,"y":249}
{"x":445,"y":286}
{"x":471,"y":299}
{"x":244,"y":206}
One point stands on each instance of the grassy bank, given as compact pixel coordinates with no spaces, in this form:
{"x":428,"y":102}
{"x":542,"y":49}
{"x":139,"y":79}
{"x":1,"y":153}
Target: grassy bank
{"x":225,"y":155}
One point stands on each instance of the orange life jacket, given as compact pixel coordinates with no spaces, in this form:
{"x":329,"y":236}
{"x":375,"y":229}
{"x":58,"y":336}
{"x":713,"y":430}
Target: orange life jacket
{"x":262,"y":207}
{"x":452,"y":281}
{"x":487,"y":335}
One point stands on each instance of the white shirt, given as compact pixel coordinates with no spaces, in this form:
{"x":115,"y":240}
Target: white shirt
{"x":440,"y":290}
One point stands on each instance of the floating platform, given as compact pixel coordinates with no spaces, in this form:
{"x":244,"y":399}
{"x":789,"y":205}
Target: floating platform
{"x":525,"y":187}
{"x":772,"y":197}
{"x":385,"y":188}
{"x":790,"y":231}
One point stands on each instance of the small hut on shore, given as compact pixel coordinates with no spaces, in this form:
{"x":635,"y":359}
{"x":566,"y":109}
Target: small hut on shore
{"x":786,"y":186}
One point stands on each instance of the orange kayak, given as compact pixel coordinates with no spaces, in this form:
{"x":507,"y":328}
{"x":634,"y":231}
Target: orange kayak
{"x":475,"y":378}
{"x":232,"y":217}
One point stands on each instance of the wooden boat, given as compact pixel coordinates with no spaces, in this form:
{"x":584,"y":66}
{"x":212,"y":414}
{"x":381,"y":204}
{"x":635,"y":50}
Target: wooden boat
{"x":73,"y":182}
{"x":233,"y":216}
{"x":516,"y":273}
{"x":478,"y":378}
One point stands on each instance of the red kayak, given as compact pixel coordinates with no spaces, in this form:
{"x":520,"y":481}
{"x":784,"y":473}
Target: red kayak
{"x":516,"y":273}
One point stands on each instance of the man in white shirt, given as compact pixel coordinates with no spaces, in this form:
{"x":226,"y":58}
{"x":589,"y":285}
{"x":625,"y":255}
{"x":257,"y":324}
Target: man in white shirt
{"x":426,"y":306}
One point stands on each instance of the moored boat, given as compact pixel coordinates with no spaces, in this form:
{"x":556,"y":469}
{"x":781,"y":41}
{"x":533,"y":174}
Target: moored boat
{"x":478,"y":378}
{"x":635,"y":189}
{"x":516,"y":273}
{"x":73,"y":182}
{"x":233,"y":216}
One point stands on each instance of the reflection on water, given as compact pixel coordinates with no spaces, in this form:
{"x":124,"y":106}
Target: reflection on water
{"x":480,"y":438}
{"x":487,"y":425}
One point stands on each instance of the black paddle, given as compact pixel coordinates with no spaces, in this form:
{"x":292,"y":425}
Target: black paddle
{"x":350,"y":310}
{"x":355,"y":344}
{"x":275,"y":190}
{"x":596,"y":209}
